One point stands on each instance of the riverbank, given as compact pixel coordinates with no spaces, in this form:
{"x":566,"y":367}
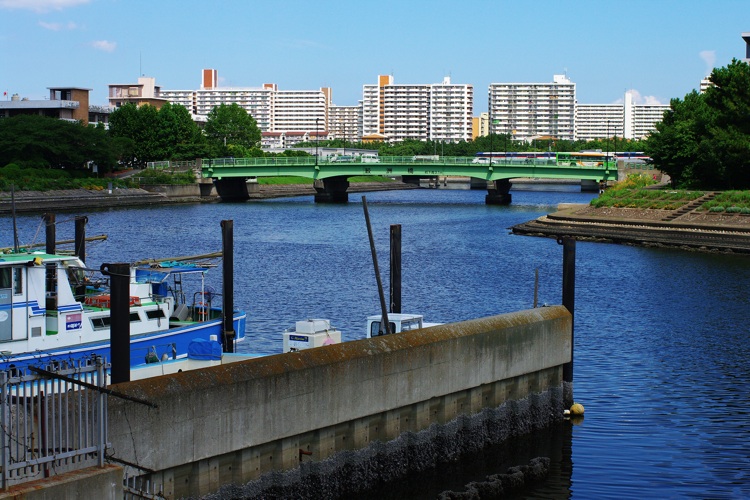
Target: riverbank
{"x":684,"y":228}
{"x":90,"y":199}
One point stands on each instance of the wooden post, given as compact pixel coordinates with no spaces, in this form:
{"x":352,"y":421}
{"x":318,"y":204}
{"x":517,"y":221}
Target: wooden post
{"x":119,"y":327}
{"x":227,"y":283}
{"x":395,"y":268}
{"x":568,"y":296}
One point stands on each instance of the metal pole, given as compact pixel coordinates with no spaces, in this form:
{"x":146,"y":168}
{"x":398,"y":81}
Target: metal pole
{"x":49,"y":232}
{"x":80,"y":249}
{"x":80,"y":237}
{"x":395,"y":268}
{"x":119,"y":329}
{"x":101,"y":399}
{"x":227,"y":283}
{"x":568,"y":296}
{"x":384,"y":323}
{"x":13,"y":209}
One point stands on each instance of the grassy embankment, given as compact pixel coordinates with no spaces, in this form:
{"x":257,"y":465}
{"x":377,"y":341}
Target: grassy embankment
{"x":631,"y":193}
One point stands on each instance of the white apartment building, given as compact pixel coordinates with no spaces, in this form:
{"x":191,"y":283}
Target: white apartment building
{"x":344,"y":122}
{"x":274,"y":110}
{"x":299,"y":110}
{"x":451,"y":109}
{"x":526,"y":111}
{"x":599,"y":121}
{"x":440,"y":112}
{"x":406,"y":112}
{"x":640,"y":119}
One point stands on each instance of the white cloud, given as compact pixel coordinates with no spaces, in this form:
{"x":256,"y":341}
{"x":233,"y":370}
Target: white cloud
{"x":640,"y":99}
{"x":644,"y":99}
{"x":58,"y":26}
{"x":41,"y":5}
{"x":104,"y":45}
{"x":709,"y":57}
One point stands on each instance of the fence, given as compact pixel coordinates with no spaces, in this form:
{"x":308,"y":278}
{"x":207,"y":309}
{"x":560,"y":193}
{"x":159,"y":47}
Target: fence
{"x":53,"y":419}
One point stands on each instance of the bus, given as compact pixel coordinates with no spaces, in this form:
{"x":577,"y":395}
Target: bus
{"x":586,"y":159}
{"x":536,"y":157}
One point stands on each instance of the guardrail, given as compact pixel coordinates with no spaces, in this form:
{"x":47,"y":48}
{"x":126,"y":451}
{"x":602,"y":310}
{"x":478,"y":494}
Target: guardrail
{"x":388,"y":160}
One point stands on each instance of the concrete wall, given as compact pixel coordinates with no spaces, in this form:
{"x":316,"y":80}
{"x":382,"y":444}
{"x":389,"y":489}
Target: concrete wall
{"x":234,"y":423}
{"x":94,"y":482}
{"x":174,"y":190}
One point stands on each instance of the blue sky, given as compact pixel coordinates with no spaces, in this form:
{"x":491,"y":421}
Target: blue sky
{"x":659,"y":48}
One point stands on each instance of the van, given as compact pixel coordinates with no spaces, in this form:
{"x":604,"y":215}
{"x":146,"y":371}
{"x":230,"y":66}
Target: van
{"x":370,"y":158}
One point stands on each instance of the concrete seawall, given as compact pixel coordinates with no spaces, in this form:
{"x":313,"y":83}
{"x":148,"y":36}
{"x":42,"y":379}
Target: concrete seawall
{"x":348,"y":406}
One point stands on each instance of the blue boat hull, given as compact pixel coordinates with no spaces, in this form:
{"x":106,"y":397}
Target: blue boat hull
{"x":172,"y":344}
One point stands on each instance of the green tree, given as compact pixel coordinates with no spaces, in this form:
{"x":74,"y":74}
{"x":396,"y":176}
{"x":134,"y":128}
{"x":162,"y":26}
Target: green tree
{"x":704,"y":140}
{"x":38,"y":141}
{"x":230,"y":125}
{"x":178,"y":135}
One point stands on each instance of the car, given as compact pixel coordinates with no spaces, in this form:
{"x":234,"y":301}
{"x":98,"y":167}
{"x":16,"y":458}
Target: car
{"x":343,"y":159}
{"x":369,"y":158}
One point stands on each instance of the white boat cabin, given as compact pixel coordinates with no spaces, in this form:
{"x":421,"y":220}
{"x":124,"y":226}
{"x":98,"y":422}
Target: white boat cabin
{"x":398,"y":323}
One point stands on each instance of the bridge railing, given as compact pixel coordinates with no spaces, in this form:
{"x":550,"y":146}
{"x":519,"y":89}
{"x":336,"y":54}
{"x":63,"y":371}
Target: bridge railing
{"x":391,"y":160}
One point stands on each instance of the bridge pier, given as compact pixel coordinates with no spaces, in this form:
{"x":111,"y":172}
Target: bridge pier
{"x":588,"y":186}
{"x":332,"y":190}
{"x":499,"y":193}
{"x":232,"y":189}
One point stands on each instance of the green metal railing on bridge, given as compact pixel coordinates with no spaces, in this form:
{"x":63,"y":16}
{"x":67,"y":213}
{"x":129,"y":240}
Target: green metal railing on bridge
{"x":419,"y":166}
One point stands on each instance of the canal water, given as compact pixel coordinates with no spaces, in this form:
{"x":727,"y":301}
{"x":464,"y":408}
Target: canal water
{"x":662,"y":358}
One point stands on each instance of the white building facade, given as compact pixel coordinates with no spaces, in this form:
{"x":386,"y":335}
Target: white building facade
{"x":526,"y":111}
{"x":599,"y":121}
{"x":345,"y":122}
{"x":438,"y":112}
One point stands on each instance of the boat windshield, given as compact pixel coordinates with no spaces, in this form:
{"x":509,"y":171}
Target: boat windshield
{"x":375,"y":328}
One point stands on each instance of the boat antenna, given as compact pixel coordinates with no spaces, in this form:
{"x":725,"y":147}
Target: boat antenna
{"x":13,"y":211}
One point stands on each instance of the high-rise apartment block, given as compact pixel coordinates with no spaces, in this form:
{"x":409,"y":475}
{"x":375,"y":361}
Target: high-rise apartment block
{"x":345,"y":122}
{"x":274,"y":110}
{"x":526,"y":111}
{"x":438,"y":112}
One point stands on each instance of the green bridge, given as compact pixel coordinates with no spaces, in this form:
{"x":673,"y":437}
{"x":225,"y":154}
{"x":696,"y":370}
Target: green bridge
{"x":331,"y":175}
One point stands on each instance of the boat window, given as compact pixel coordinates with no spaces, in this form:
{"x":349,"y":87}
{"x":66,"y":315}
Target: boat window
{"x":100,"y":323}
{"x":5,"y":280}
{"x":156,"y":314}
{"x":411,"y":324}
{"x":17,"y":280}
{"x":134,"y":317}
{"x":376,"y":326}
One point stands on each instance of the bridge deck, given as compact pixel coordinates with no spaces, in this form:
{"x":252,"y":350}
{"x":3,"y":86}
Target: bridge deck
{"x":480,"y":168}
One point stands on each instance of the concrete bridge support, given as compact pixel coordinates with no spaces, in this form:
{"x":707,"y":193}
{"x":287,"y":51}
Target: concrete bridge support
{"x":499,"y":193}
{"x":332,"y":190}
{"x":232,"y":189}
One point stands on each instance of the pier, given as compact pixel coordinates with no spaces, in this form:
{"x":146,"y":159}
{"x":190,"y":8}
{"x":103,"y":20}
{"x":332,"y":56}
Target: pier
{"x":493,"y":377}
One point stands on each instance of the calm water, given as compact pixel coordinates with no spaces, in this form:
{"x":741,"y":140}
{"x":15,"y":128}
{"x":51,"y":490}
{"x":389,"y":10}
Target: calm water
{"x":662,"y":359}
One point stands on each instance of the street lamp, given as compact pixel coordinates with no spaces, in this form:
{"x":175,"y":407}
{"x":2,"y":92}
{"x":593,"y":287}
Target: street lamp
{"x":317,"y":138}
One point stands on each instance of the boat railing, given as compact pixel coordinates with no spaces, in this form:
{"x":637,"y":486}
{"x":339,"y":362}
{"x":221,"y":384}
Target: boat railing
{"x":54,"y":419}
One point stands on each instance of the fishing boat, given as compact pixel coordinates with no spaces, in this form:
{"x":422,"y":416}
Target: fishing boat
{"x":51,"y":311}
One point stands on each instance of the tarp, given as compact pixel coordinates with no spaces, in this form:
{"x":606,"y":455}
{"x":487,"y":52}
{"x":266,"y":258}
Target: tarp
{"x":204,"y":349}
